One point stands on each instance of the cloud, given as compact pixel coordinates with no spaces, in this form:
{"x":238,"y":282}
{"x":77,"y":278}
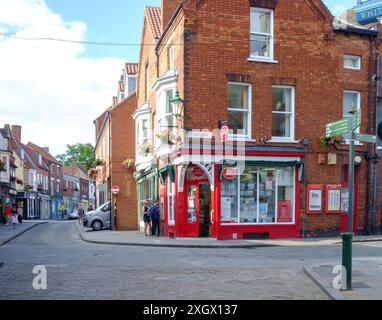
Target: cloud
{"x":338,"y":9}
{"x":48,"y":87}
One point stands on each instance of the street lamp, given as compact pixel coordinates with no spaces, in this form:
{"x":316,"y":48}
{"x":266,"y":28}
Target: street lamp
{"x":177,"y":104}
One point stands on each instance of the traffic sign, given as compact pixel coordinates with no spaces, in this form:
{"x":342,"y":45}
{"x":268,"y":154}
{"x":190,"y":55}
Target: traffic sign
{"x":337,"y":128}
{"x":366,"y":138}
{"x":115,"y":190}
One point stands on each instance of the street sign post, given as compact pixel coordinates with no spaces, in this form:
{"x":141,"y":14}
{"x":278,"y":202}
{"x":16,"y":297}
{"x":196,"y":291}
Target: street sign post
{"x":347,"y":127}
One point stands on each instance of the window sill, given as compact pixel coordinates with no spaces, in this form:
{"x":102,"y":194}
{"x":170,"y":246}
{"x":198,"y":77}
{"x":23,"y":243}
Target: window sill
{"x":283,"y":141}
{"x":262,"y":60}
{"x":240,"y":138}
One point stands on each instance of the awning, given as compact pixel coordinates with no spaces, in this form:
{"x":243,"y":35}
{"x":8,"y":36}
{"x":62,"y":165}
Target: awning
{"x":163,"y":171}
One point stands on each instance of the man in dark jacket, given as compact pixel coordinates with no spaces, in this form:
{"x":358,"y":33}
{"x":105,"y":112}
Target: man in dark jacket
{"x":155,"y":218}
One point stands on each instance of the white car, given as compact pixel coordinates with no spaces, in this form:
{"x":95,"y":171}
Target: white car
{"x":73,"y":215}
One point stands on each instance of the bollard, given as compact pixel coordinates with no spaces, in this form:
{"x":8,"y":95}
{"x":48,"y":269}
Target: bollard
{"x":347,"y":241}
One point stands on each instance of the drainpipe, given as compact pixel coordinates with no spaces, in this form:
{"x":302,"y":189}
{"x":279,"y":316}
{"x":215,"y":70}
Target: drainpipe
{"x":109,"y":178}
{"x":369,"y":147}
{"x":375,"y":177}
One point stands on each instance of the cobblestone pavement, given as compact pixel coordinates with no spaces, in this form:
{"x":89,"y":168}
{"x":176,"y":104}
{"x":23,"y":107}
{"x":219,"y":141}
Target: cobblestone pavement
{"x":78,"y":270}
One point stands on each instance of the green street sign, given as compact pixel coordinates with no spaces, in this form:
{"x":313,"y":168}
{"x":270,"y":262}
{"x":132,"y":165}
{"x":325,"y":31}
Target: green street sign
{"x":337,"y":128}
{"x":356,"y":120}
{"x":366,"y":138}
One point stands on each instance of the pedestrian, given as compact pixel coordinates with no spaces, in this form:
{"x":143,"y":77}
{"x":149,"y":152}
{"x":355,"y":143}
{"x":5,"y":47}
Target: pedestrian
{"x":155,"y":218}
{"x":90,"y":208}
{"x":14,"y":219}
{"x":146,"y":218}
{"x":20,"y":214}
{"x":81,"y":214}
{"x":7,"y":213}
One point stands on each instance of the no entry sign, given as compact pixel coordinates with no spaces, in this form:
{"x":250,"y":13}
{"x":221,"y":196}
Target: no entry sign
{"x":115,"y":190}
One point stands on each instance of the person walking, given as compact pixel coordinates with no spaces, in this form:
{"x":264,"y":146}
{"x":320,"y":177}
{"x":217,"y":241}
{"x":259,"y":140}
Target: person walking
{"x":14,"y":219}
{"x":146,"y":218}
{"x":7,"y":213}
{"x":155,"y":218}
{"x":20,"y":214}
{"x":81,"y":214}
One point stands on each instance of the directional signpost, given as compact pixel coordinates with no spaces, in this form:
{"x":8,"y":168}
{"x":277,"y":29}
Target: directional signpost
{"x":347,"y":127}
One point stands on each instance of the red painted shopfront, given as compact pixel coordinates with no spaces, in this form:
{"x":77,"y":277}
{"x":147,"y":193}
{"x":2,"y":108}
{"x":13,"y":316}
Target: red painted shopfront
{"x":260,"y":200}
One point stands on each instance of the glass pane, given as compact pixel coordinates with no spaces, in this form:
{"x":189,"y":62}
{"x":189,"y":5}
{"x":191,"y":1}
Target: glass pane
{"x":248,"y":196}
{"x":191,"y":202}
{"x":260,"y":46}
{"x":237,"y":97}
{"x":350,"y":102}
{"x":285,"y":182}
{"x":267,"y":196}
{"x":169,"y":95}
{"x":229,"y":201}
{"x":282,"y":99}
{"x":351,"y":62}
{"x":281,"y":125}
{"x":260,"y":21}
{"x":238,"y":121}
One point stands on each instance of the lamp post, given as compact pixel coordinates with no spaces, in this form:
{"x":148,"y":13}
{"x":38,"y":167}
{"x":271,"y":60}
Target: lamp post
{"x":177,"y":104}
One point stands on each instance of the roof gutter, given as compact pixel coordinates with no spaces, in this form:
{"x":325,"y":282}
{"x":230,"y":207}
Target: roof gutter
{"x":359,"y":31}
{"x":102,"y":129}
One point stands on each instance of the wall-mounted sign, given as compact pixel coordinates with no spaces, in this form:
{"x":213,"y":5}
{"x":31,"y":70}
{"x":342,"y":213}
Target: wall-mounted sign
{"x":197,"y":172}
{"x":230,"y":173}
{"x":368,"y":12}
{"x":314,"y":198}
{"x":333,"y":198}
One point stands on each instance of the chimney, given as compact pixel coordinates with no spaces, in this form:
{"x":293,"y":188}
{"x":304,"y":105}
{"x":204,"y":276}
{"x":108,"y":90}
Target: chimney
{"x":167,"y":10}
{"x":16,"y":132}
{"x":83,"y":166}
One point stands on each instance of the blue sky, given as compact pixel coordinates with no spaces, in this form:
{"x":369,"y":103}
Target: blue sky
{"x":120,"y":21}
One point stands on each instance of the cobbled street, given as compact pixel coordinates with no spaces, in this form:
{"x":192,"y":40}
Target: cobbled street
{"x":78,"y":270}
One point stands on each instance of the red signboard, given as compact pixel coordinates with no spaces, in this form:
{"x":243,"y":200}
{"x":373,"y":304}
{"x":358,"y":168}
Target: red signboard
{"x":284,"y":211}
{"x":224,"y":134}
{"x":230,"y":173}
{"x":197,"y":172}
{"x":115,"y":190}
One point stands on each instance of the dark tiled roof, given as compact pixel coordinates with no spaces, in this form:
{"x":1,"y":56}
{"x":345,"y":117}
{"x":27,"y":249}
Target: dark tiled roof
{"x":46,"y":155}
{"x":131,"y":68}
{"x":153,"y":16}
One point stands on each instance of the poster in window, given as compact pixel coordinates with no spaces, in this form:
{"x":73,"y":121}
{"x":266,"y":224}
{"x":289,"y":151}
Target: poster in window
{"x":226,"y":209}
{"x":284,"y":211}
{"x":333,"y":198}
{"x":314,"y":198}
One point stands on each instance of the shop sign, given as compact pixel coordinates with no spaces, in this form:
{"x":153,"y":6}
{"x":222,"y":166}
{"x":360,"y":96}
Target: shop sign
{"x":197,"y":172}
{"x":230,"y":173}
{"x":368,"y":12}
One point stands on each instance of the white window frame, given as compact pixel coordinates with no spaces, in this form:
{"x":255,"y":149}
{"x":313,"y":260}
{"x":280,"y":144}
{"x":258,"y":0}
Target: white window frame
{"x":271,"y":35}
{"x":292,"y":112}
{"x":170,"y":195}
{"x":358,"y":108}
{"x":359,"y":61}
{"x":248,"y":135}
{"x":145,"y":135}
{"x":276,"y":170}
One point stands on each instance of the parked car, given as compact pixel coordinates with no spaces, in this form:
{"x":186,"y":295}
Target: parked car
{"x":99,"y":218}
{"x":73,"y":215}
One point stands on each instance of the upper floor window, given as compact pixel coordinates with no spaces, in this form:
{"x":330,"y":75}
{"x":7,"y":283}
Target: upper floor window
{"x":145,"y":128}
{"x":352,"y":101}
{"x":261,"y":34}
{"x":352,"y":62}
{"x":282,"y":113}
{"x":171,"y":63}
{"x":239,"y":109}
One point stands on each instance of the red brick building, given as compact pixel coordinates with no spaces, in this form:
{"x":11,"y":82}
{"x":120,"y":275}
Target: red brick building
{"x":276,"y":72}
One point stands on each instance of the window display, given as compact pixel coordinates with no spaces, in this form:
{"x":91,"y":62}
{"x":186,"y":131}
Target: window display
{"x":259,"y":196}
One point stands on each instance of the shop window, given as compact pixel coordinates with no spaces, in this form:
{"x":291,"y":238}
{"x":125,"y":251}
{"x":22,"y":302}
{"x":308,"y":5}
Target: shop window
{"x":261,"y":34}
{"x":239,"y":108}
{"x":259,"y":196}
{"x":282,"y":113}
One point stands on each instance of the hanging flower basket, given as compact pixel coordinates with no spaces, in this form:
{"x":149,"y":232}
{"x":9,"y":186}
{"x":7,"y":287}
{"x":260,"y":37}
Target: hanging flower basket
{"x":145,"y":149}
{"x":92,"y":173}
{"x":3,"y":166}
{"x":19,"y":181}
{"x":166,"y":137}
{"x":331,"y":141}
{"x":129,"y":163}
{"x":99,"y":162}
{"x":28,"y":187}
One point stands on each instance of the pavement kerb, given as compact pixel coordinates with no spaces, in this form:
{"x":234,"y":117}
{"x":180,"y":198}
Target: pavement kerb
{"x":332,"y":293}
{"x":20,"y":233}
{"x":175,"y":245}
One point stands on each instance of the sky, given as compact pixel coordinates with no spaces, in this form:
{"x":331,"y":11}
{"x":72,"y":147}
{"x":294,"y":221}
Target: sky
{"x":55,"y":90}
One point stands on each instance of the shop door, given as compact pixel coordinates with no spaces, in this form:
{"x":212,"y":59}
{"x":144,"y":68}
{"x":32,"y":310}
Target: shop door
{"x":198,"y":209}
